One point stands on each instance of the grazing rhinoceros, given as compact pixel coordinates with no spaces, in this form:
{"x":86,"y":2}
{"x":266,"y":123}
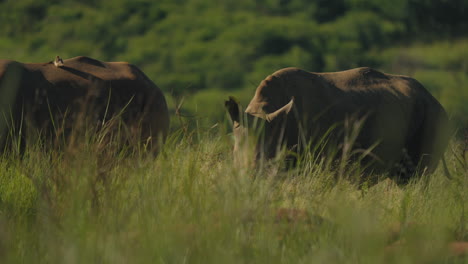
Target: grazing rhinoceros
{"x":401,"y":121}
{"x":53,"y":97}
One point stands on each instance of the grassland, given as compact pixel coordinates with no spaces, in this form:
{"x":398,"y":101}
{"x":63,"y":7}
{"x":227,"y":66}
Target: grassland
{"x":193,"y":204}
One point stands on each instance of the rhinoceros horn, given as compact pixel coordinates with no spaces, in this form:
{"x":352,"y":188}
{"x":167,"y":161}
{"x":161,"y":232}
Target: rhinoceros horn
{"x":282,"y":111}
{"x":233,"y":107}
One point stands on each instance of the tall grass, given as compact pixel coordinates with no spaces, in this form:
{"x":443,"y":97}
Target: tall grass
{"x":192,"y":204}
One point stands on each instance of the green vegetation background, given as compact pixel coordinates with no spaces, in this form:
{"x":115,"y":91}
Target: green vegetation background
{"x":203,"y":50}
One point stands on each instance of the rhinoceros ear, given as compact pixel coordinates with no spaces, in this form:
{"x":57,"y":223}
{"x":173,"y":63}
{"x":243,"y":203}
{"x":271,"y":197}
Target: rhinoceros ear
{"x":233,"y":109}
{"x":282,"y":111}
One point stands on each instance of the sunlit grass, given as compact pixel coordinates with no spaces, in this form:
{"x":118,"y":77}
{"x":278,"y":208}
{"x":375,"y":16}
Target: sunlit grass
{"x":193,"y":204}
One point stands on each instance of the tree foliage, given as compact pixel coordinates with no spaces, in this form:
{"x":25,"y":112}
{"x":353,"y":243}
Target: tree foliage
{"x":194,"y":44}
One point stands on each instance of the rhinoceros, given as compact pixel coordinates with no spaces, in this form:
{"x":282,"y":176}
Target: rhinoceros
{"x":400,"y":122}
{"x":52,"y":97}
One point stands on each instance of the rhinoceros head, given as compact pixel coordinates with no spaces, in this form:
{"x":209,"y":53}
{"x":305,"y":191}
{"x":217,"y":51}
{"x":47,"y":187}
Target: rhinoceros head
{"x":258,"y":129}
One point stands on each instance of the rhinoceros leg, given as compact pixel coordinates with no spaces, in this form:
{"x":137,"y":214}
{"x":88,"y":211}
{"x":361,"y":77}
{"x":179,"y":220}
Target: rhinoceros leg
{"x":405,"y":168}
{"x":429,"y":144}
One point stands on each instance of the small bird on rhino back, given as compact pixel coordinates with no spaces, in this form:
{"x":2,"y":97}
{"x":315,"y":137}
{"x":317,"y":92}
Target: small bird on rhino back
{"x":58,"y":62}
